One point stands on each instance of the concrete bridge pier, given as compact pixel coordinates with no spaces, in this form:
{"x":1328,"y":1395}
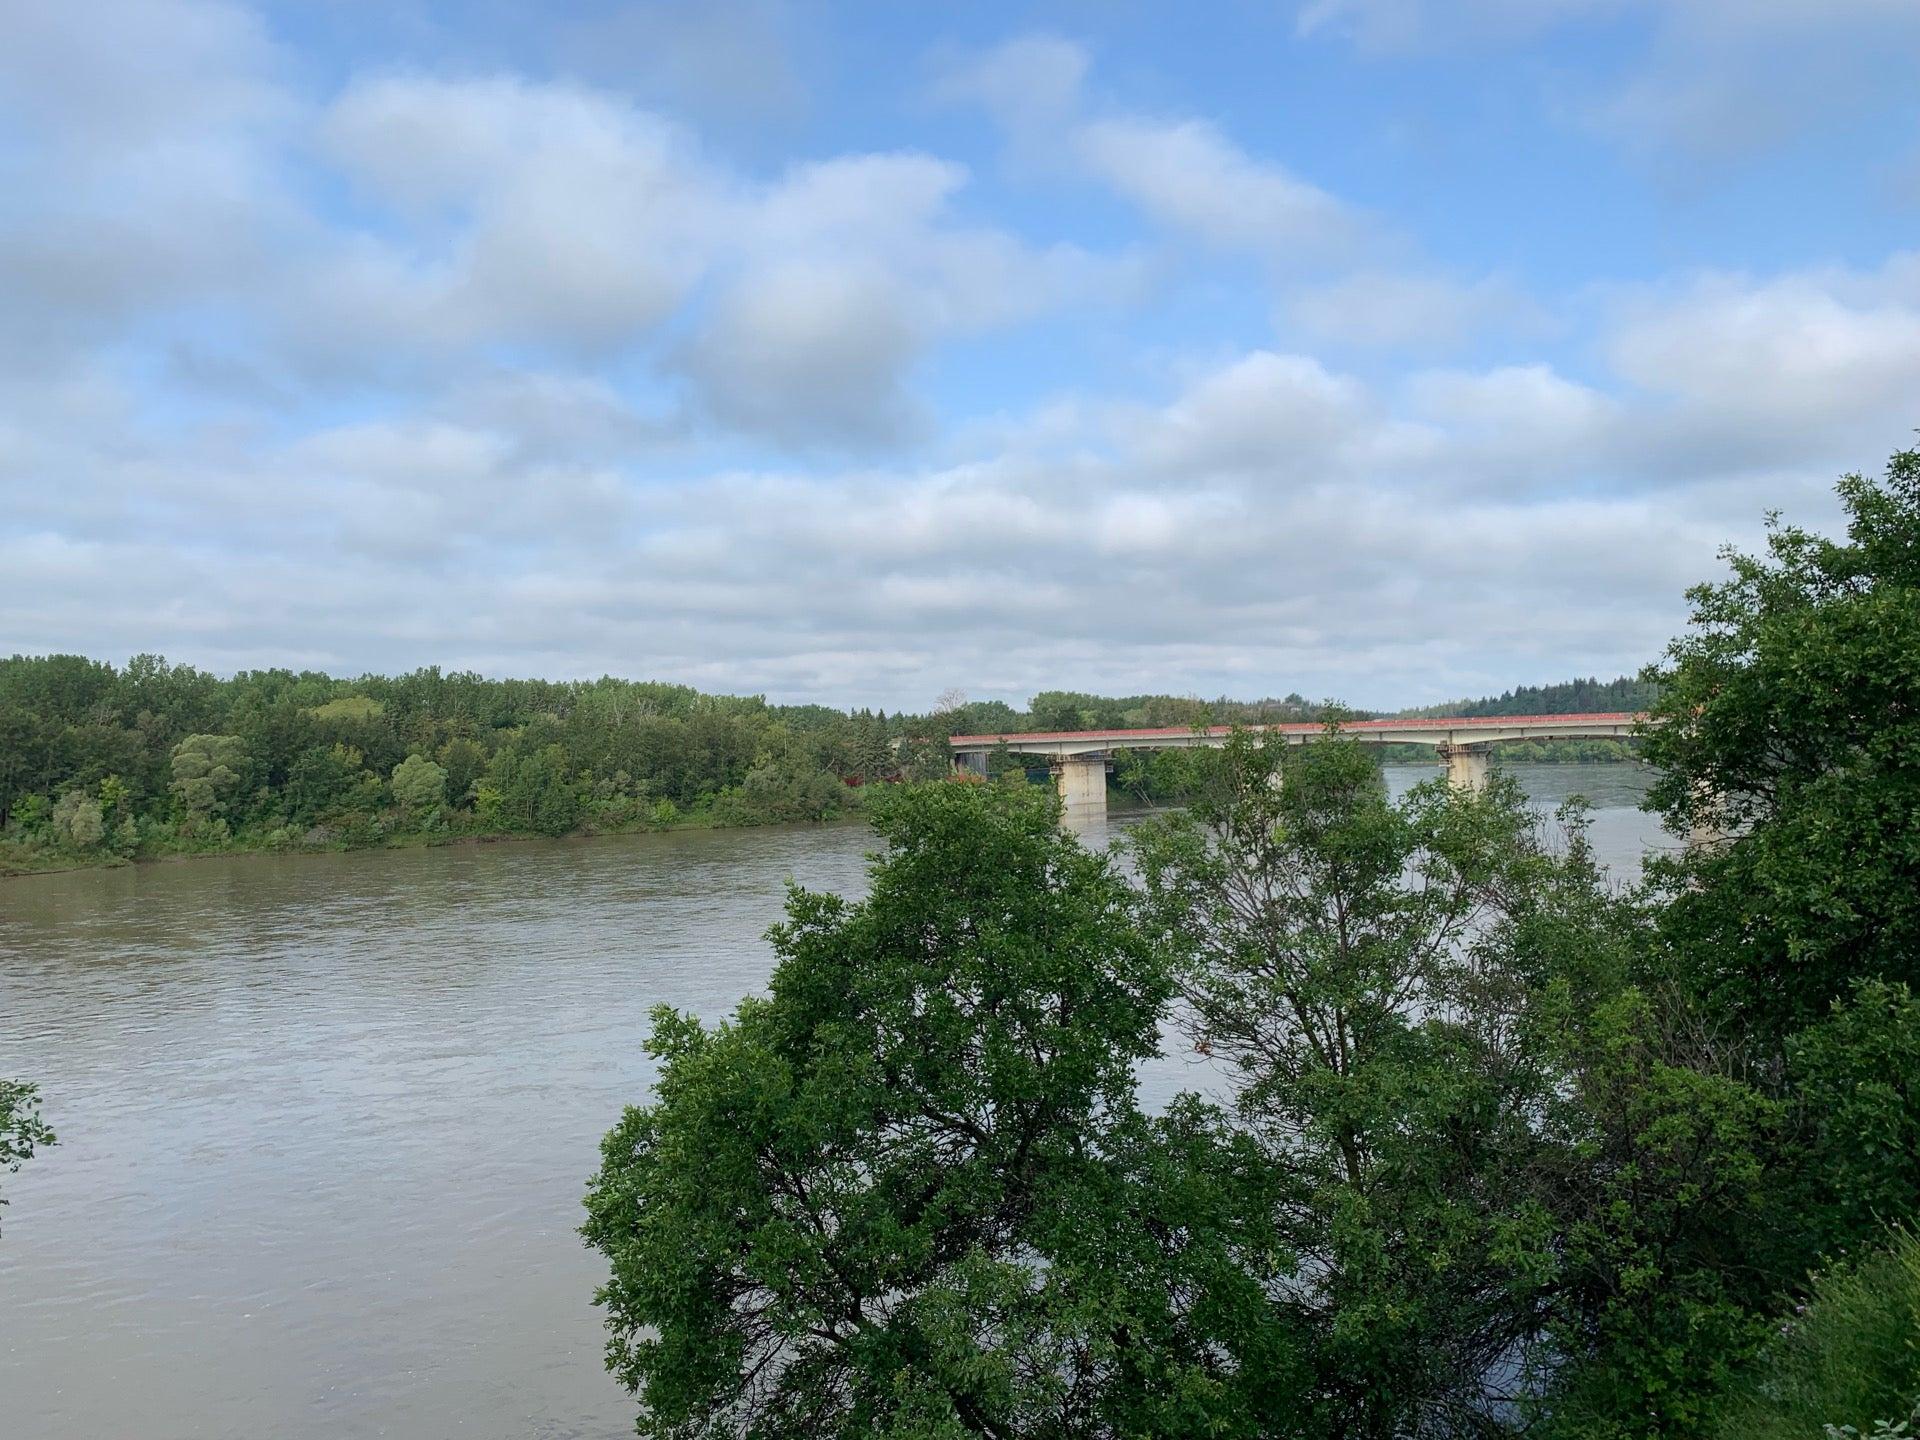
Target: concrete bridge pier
{"x":971,"y":762}
{"x":1466,"y":766}
{"x":1082,"y":783}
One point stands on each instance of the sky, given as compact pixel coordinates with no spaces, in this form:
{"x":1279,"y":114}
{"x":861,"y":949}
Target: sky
{"x":1381,"y":350}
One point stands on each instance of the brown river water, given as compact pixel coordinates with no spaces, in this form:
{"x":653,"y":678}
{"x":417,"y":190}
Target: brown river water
{"x":325,"y":1121}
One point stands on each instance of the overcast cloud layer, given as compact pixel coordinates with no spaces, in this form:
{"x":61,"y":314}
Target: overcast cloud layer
{"x":1366,"y":348}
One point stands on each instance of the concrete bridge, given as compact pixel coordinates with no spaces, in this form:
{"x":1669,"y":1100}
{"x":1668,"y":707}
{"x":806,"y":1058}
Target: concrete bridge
{"x":1080,"y":759}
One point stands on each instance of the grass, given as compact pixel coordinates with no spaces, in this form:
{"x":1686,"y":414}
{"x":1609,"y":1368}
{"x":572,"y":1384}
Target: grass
{"x":1850,"y":1357}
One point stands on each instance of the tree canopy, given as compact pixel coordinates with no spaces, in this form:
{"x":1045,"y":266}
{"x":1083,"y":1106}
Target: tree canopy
{"x":1492,"y":1147}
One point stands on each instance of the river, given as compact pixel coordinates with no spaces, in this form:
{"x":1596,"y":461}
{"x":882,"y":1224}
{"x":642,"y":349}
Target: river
{"x":325,"y":1120}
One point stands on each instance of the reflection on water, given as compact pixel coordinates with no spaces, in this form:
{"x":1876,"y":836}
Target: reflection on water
{"x":325,"y":1121}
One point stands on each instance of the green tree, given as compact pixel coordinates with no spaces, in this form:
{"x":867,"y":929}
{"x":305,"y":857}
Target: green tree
{"x":1662,"y":1209}
{"x":419,"y":786}
{"x":1790,"y":720}
{"x":465,"y":762}
{"x":784,"y":791}
{"x":21,"y":1128}
{"x":326,"y":781}
{"x":537,"y":790}
{"x":78,"y":821}
{"x":909,"y":1193}
{"x":208,"y":771}
{"x":1856,"y":1089}
{"x":1371,"y":973}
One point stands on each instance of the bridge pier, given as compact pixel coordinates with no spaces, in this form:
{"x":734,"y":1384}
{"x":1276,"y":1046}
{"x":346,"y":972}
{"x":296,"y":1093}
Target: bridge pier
{"x":1082,"y":783}
{"x":971,"y":762}
{"x":1466,"y":766}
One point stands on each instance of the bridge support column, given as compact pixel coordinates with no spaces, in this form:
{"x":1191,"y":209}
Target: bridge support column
{"x":1082,"y":783}
{"x":971,"y":762}
{"x":1466,"y":766}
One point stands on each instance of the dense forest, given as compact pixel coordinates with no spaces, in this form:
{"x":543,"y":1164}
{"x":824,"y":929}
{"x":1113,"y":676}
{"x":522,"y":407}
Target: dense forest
{"x":1574,"y":697}
{"x":1489,"y":1147}
{"x":99,"y":763}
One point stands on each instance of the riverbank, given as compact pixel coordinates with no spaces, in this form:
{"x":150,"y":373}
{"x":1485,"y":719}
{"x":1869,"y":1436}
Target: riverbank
{"x":19,"y":860}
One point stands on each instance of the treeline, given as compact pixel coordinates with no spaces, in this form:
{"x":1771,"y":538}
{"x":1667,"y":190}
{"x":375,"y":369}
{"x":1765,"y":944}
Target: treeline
{"x":1574,"y":697}
{"x":153,"y":758}
{"x":1497,"y":1150}
{"x":99,"y":762}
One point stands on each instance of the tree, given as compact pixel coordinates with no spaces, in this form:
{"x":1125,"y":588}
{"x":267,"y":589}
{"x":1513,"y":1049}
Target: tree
{"x":1855,"y":1084}
{"x":21,"y":1128}
{"x":1790,"y":721}
{"x":78,"y":821}
{"x":1373,"y":974}
{"x":465,"y":762}
{"x":327,"y":780}
{"x":419,"y":786}
{"x":909,"y":1193}
{"x":537,"y":790}
{"x":784,"y":791}
{"x":207,"y":773}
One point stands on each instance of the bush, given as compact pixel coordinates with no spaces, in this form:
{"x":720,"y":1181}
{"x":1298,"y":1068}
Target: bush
{"x":1846,"y":1362}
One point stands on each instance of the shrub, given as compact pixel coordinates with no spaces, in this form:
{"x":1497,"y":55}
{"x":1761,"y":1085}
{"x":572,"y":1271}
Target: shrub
{"x":1847,"y":1362}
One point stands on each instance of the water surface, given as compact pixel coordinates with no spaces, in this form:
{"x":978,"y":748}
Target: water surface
{"x":325,"y":1120}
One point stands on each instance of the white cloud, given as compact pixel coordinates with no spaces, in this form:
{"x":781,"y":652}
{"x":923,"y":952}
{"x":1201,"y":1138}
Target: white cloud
{"x":1187,"y":175}
{"x":1812,"y":353}
{"x":560,"y":390}
{"x":805,"y":352}
{"x":1401,"y":308}
{"x":1183,"y":173}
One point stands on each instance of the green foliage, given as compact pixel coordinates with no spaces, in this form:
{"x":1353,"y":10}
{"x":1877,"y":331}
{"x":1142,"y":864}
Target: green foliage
{"x":348,"y":707}
{"x":465,"y":762}
{"x":1856,"y":1079}
{"x":1573,"y":697}
{"x":419,"y":786}
{"x":537,"y":791}
{"x":208,"y":771}
{"x":329,"y":782}
{"x":1844,"y":1364}
{"x":1791,"y":713}
{"x":1659,"y":1194}
{"x":783,"y":791}
{"x":906,"y":1193}
{"x":22,"y":1131}
{"x":78,"y":821}
{"x":1374,"y":975}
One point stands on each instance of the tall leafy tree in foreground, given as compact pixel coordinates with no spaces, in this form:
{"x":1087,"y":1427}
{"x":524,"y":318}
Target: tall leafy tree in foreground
{"x":909,"y":1193}
{"x":1375,"y":976}
{"x":1790,"y":718}
{"x":21,"y":1128}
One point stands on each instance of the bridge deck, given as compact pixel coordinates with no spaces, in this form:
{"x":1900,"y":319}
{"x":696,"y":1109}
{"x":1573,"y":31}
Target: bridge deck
{"x":1435,"y":730}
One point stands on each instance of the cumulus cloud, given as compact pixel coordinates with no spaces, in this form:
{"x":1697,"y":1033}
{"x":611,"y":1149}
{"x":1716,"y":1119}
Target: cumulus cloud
{"x":518,"y":373}
{"x":1801,"y":358}
{"x":1268,"y":521}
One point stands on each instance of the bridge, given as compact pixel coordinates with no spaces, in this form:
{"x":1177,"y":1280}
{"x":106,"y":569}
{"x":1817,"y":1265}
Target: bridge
{"x":1080,"y":759}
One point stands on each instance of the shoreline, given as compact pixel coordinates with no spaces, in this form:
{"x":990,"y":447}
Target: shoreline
{"x":69,"y":865}
{"x":11,"y":869}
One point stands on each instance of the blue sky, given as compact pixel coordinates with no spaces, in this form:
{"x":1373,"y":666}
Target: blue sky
{"x":1389,"y":350}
